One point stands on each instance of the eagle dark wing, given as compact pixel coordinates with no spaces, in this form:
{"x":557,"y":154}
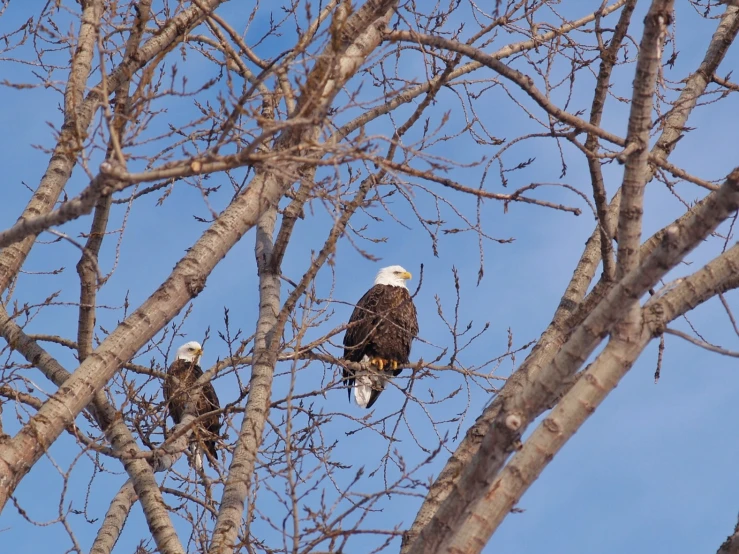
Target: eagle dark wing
{"x":208,"y":402}
{"x":363,"y":320}
{"x":174,"y":382}
{"x":402,"y":327}
{"x":178,"y":385}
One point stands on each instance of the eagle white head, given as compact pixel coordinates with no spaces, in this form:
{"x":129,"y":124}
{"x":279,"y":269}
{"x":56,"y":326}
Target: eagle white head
{"x":190,"y":352}
{"x":394,"y":275}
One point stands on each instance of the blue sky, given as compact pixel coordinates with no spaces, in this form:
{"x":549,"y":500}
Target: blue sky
{"x":652,"y":470}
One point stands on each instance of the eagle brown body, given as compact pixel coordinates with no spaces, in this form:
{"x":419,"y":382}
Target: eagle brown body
{"x":179,"y":390}
{"x":380,"y":331}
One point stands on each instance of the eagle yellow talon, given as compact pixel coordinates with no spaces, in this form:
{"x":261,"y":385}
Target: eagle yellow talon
{"x":378,"y":362}
{"x":385,"y":365}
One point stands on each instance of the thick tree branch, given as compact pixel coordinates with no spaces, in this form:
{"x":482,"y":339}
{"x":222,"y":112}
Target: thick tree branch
{"x":65,"y":153}
{"x":100,"y":186}
{"x":456,"y":515}
{"x":116,"y":432}
{"x":185,"y":282}
{"x":145,"y":485}
{"x":86,"y":269}
{"x":241,"y":471}
{"x":731,"y":544}
{"x":115,"y":520}
{"x":76,"y":123}
{"x":570,"y":413}
{"x":673,"y":125}
{"x":89,"y":259}
{"x":640,"y":122}
{"x":598,"y":380}
{"x":567,"y":315}
{"x":120,"y":506}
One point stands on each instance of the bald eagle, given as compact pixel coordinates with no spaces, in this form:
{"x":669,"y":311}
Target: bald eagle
{"x":380,"y":331}
{"x":178,"y":384}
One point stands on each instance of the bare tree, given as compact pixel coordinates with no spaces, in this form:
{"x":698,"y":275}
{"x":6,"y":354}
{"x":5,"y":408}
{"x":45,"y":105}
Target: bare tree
{"x":335,"y":136}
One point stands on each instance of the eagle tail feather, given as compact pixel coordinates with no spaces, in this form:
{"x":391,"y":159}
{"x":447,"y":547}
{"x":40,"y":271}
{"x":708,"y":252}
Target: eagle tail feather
{"x":197,"y":456}
{"x":363,"y":390}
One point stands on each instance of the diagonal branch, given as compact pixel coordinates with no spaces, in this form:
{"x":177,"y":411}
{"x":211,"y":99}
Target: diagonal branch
{"x":75,"y":125}
{"x":115,"y":519}
{"x":597,"y":381}
{"x":574,"y":306}
{"x":456,"y":515}
{"x":116,"y":432}
{"x":100,"y":187}
{"x":120,"y":506}
{"x":561,"y":424}
{"x":185,"y":282}
{"x":64,"y":156}
{"x":731,"y":544}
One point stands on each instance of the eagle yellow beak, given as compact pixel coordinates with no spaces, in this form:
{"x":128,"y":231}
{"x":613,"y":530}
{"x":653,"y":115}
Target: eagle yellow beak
{"x":407,"y":276}
{"x":199,"y":352}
